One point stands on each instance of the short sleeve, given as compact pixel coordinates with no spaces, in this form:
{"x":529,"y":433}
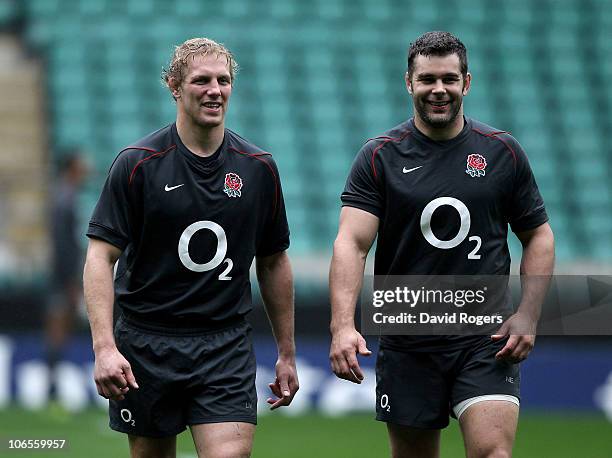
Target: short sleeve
{"x":527,"y":209}
{"x":361,"y":189}
{"x":276,"y":236}
{"x":111,"y":217}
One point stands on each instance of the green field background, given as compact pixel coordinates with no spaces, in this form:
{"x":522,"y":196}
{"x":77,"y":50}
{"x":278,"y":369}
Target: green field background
{"x":87,"y":434}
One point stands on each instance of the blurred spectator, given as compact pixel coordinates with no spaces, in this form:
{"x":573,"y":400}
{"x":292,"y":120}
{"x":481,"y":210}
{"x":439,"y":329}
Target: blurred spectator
{"x":66,"y":289}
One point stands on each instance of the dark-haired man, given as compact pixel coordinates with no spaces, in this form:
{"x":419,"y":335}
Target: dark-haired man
{"x":189,"y":206}
{"x":66,"y":260}
{"x":478,"y":180}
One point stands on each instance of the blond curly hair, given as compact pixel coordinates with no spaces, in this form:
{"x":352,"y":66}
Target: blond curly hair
{"x":188,"y":50}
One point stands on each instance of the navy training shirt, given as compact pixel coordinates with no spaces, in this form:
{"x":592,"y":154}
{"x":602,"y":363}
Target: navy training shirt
{"x":444,"y":206}
{"x":190,"y":227}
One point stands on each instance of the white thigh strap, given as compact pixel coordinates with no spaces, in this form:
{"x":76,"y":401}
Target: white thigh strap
{"x":461,"y":407}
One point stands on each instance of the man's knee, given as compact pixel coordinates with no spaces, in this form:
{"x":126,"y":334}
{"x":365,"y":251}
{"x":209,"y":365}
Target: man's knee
{"x":223,"y":440}
{"x":500,"y":454}
{"x":495,"y":451}
{"x":228,"y":450}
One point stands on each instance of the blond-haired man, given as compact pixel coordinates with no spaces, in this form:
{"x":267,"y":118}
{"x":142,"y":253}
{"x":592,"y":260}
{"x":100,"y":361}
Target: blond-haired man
{"x":187,"y":209}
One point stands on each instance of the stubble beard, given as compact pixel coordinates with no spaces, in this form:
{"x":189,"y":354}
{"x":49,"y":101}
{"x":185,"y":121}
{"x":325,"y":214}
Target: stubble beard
{"x":208,"y":122}
{"x":438,"y":122}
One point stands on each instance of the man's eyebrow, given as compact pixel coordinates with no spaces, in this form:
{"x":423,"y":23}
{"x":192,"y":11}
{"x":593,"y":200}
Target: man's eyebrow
{"x":432,"y":75}
{"x":199,"y":76}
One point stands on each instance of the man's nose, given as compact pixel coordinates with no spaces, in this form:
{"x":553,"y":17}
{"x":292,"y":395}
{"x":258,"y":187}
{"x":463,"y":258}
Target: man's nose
{"x":438,"y":87}
{"x":214,"y":89}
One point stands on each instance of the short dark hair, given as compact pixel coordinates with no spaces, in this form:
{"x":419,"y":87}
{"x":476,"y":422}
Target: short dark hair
{"x":68,"y":158}
{"x":437,"y":43}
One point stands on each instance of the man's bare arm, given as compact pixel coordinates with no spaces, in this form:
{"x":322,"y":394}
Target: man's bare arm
{"x":276,"y":285}
{"x":356,"y":234}
{"x":537,"y":264}
{"x":99,"y":291}
{"x":112,"y":372}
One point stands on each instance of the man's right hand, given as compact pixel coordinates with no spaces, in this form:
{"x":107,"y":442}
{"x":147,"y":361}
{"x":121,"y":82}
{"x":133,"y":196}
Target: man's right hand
{"x":345,"y":345}
{"x":113,"y":374}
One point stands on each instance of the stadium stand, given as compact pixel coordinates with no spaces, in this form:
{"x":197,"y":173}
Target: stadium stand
{"x":319,"y":78}
{"x":23,"y":161}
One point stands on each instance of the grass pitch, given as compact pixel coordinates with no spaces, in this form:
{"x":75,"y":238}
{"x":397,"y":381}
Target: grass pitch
{"x":309,"y":436}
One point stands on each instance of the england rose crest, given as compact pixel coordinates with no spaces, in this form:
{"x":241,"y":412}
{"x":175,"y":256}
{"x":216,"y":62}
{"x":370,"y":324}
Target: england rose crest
{"x":233,"y":185}
{"x":476,"y":165}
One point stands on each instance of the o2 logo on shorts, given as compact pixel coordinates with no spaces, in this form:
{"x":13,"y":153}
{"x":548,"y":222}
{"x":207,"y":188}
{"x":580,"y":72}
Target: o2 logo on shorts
{"x":126,"y":416}
{"x":384,"y":403}
{"x":464,"y":229}
{"x":218,"y":258}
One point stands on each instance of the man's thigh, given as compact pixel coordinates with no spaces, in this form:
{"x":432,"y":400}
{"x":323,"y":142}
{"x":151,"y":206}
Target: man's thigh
{"x":413,"y":388}
{"x":480,"y":374}
{"x":221,"y":387}
{"x":223,"y":440}
{"x":152,"y":447}
{"x":154,"y":410}
{"x":485,"y":400}
{"x":489,"y":428}
{"x":413,"y":442}
{"x":185,"y":380}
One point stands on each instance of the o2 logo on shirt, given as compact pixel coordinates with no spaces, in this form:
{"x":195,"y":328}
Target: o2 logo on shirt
{"x":464,"y":229}
{"x":218,"y":258}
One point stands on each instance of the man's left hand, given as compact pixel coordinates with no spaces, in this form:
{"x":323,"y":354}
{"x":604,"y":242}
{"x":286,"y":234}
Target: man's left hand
{"x":521,"y":330}
{"x":285,"y":385}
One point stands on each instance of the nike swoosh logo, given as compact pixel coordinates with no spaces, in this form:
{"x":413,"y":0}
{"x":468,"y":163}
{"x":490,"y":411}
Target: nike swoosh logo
{"x":170,"y":188}
{"x":405,"y":170}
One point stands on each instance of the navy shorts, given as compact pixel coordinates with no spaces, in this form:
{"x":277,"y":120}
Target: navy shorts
{"x":185,"y":379}
{"x":419,"y":389}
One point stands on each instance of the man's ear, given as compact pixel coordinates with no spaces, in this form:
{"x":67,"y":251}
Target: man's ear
{"x":408,"y":83}
{"x":467,"y":83}
{"x":175,"y":88}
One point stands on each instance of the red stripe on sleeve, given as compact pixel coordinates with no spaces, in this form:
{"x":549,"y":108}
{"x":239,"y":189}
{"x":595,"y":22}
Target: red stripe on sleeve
{"x":387,"y":140}
{"x":155,"y":154}
{"x":495,"y":136}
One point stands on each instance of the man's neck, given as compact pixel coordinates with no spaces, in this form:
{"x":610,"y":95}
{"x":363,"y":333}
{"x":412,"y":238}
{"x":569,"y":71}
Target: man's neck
{"x":441,"y":134}
{"x":200,"y":141}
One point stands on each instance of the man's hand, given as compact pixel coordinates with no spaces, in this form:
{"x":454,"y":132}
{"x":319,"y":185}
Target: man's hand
{"x":521,"y":329}
{"x":113,"y":374}
{"x":345,"y":345}
{"x":286,"y":384}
